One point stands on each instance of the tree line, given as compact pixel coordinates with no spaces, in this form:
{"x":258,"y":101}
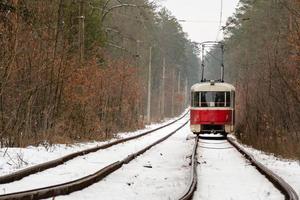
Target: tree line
{"x":262,"y":60}
{"x":75,"y":70}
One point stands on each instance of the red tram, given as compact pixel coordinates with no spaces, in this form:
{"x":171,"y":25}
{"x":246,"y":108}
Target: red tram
{"x":212,"y":108}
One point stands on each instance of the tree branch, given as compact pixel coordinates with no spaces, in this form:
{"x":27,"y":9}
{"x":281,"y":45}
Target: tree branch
{"x":116,"y":7}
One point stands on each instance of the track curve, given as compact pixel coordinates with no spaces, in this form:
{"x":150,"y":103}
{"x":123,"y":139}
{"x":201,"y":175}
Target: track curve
{"x":278,"y":182}
{"x":188,"y":194}
{"x":288,"y":192}
{"x":18,"y":175}
{"x":69,"y":187}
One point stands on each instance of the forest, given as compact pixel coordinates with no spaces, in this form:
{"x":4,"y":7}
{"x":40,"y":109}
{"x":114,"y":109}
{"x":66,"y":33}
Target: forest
{"x":76,"y":70}
{"x":262,"y":60}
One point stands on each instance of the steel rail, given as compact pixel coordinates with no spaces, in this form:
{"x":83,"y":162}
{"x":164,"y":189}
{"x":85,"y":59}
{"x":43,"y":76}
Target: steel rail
{"x":278,"y":182}
{"x":79,"y":184}
{"x":188,"y":194}
{"x":288,"y":192}
{"x":18,"y":175}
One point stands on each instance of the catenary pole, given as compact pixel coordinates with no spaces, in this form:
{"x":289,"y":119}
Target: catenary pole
{"x":173,"y":94}
{"x":149,"y":87}
{"x":163,"y":89}
{"x":81,"y":30}
{"x":186,"y":95}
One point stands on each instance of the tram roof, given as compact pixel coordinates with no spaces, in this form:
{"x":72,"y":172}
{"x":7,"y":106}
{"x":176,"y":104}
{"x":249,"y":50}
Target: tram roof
{"x":212,"y":86}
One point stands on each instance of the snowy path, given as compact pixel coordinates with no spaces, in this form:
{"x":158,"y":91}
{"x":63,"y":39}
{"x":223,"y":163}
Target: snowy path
{"x":14,"y":159}
{"x":289,"y":170}
{"x":87,"y":164}
{"x":165,"y":176}
{"x":223,"y":174}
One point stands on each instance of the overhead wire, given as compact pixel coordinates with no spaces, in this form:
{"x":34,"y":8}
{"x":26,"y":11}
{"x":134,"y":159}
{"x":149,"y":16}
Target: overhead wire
{"x":217,"y":59}
{"x":220,"y":22}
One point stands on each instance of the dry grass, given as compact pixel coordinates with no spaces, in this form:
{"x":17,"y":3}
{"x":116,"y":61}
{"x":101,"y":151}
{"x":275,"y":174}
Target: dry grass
{"x":280,"y":146}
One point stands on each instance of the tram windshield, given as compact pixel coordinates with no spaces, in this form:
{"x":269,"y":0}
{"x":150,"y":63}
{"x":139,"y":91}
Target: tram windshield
{"x":211,"y":99}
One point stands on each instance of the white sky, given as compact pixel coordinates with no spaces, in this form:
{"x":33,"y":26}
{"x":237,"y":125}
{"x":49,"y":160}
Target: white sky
{"x":202,"y":16}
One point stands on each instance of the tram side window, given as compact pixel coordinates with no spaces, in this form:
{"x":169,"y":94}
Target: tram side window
{"x":228,"y":99}
{"x":195,"y":99}
{"x":233,"y":99}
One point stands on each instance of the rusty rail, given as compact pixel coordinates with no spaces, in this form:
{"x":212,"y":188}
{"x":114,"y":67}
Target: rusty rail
{"x":277,"y":181}
{"x":59,"y":161}
{"x":188,"y":194}
{"x":79,"y":184}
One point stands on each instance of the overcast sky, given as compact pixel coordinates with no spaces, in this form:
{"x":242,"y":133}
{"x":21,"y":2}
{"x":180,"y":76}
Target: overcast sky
{"x":202,"y":16}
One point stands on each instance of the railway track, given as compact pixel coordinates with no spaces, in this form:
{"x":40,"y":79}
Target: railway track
{"x":18,"y":175}
{"x":79,"y":184}
{"x":188,"y":194}
{"x":288,"y":192}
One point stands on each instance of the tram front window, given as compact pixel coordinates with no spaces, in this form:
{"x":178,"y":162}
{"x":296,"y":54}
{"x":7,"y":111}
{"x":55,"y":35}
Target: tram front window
{"x":215,"y":99}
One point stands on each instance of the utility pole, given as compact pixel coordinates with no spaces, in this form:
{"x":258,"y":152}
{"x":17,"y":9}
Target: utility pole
{"x":81,"y":30}
{"x":178,"y":89}
{"x":178,"y":93}
{"x":124,"y":47}
{"x":186,"y":96}
{"x":202,"y":64}
{"x":173,"y":93}
{"x":163,"y":89}
{"x":140,"y":109}
{"x":222,"y":64}
{"x":149,"y":87}
{"x":137,"y":56}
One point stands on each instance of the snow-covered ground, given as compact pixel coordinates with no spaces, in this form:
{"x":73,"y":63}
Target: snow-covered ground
{"x":161,"y":173}
{"x":224,"y":174}
{"x":14,"y":159}
{"x":87,"y":164}
{"x":289,"y":170}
